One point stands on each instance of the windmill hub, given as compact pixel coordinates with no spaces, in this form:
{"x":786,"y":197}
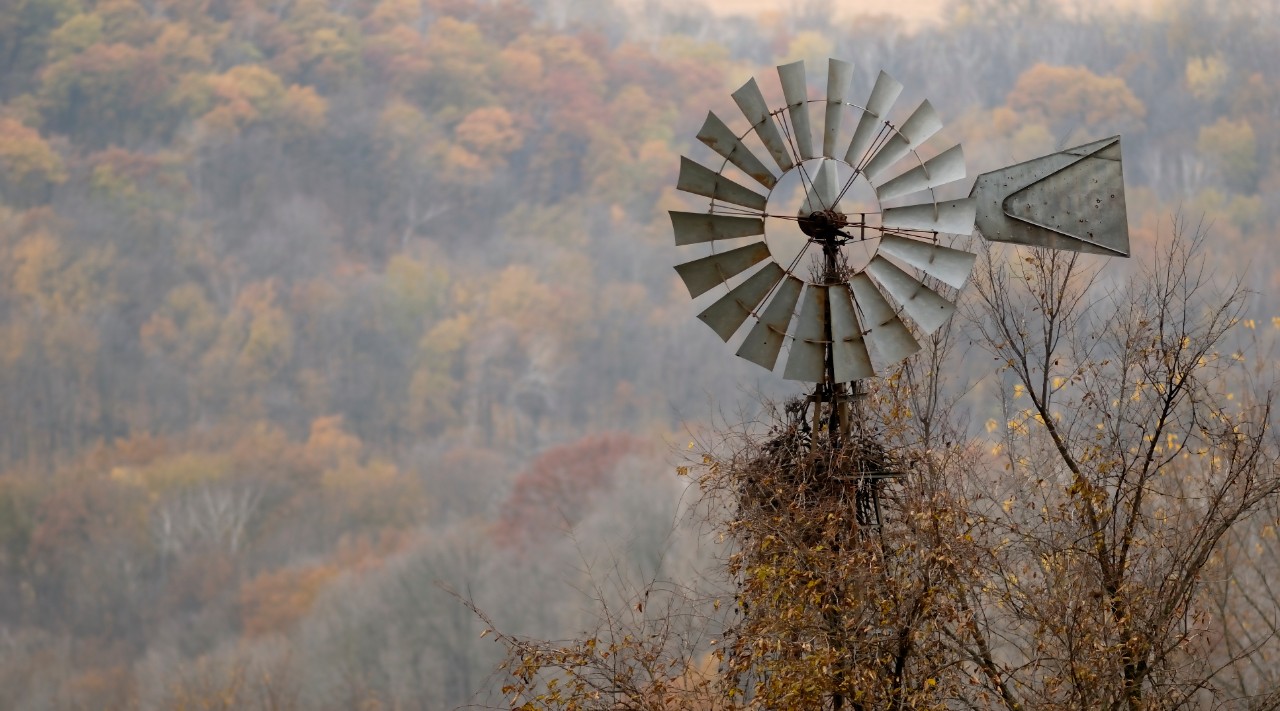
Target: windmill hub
{"x":823,"y":225}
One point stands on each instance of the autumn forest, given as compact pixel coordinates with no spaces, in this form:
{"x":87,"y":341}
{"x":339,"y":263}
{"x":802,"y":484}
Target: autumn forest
{"x":318,"y":316}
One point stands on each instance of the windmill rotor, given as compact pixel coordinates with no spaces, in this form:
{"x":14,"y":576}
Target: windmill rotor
{"x":864,"y":186}
{"x":839,"y":322}
{"x":870,"y":192}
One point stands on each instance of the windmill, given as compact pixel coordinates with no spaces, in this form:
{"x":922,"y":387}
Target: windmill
{"x":861,"y":186}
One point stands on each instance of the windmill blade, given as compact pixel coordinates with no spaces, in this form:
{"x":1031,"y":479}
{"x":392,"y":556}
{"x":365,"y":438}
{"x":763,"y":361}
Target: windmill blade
{"x":728,"y":314}
{"x":848,"y":350}
{"x":886,"y":331}
{"x":751,"y":102}
{"x":822,"y":194}
{"x":698,"y":227}
{"x":883,"y":94}
{"x":946,"y":167}
{"x":949,"y":266}
{"x":954,"y":217}
{"x":924,"y":305}
{"x":721,"y":139}
{"x":795,"y":89}
{"x":923,"y":123}
{"x":700,"y":180}
{"x":702,"y":275}
{"x":765,"y":339}
{"x":839,"y":78}
{"x":808,"y":358}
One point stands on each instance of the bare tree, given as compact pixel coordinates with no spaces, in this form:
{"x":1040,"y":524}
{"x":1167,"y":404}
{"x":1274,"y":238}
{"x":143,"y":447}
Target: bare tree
{"x":1134,"y":444}
{"x":212,"y":514}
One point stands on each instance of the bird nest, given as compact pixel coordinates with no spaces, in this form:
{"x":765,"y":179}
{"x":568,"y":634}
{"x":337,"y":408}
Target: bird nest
{"x":797,"y":473}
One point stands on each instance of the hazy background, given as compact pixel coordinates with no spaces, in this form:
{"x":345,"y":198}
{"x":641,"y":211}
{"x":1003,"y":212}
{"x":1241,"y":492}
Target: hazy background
{"x":916,"y":13}
{"x":309,"y":305}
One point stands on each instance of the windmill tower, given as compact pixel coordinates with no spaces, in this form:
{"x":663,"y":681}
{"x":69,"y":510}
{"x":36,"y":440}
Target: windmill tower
{"x":833,"y":252}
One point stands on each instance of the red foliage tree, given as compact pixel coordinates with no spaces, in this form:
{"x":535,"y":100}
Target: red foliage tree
{"x":556,"y":490}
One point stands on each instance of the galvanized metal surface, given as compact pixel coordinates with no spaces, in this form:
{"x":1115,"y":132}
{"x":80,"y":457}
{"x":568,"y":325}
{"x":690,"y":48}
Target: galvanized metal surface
{"x":728,"y":314}
{"x":1071,"y":200}
{"x":700,"y":180}
{"x":808,"y":357}
{"x":883,"y":94}
{"x":703,"y":275}
{"x":753,"y":106}
{"x":946,"y":167}
{"x":918,"y":128}
{"x":949,"y":266}
{"x":795,"y":90}
{"x":954,"y":217}
{"x":721,"y":139}
{"x":839,"y":79}
{"x":926,"y":307}
{"x":848,"y":350}
{"x":764,"y":341}
{"x":699,"y":227}
{"x":885,"y":331}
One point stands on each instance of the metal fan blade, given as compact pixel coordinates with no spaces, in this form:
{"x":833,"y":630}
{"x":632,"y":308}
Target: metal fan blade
{"x":795,"y":90}
{"x":721,"y":139}
{"x":808,"y":358}
{"x":839,"y":77}
{"x":697,"y":227}
{"x":702,"y":275}
{"x":765,"y":339}
{"x":949,"y":266}
{"x":946,"y":167}
{"x":848,"y":350}
{"x":917,"y":129}
{"x":753,"y":106}
{"x":924,"y":305}
{"x":955,"y":217}
{"x":883,"y":94}
{"x":825,"y":189}
{"x":727,"y":315}
{"x":885,"y":330}
{"x":700,"y":180}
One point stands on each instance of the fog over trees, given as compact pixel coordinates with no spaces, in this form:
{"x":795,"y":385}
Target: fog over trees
{"x":318,"y":317}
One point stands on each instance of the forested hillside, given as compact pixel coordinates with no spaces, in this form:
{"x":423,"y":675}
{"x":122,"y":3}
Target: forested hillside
{"x":308,"y":305}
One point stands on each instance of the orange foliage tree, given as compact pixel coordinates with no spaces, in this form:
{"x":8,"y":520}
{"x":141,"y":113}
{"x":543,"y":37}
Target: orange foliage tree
{"x":1071,"y":98}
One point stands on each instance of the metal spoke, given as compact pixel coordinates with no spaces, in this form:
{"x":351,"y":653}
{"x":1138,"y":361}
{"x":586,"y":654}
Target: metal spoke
{"x":881,"y":138}
{"x":743,"y":212}
{"x":910,"y":234}
{"x":799,"y":160}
